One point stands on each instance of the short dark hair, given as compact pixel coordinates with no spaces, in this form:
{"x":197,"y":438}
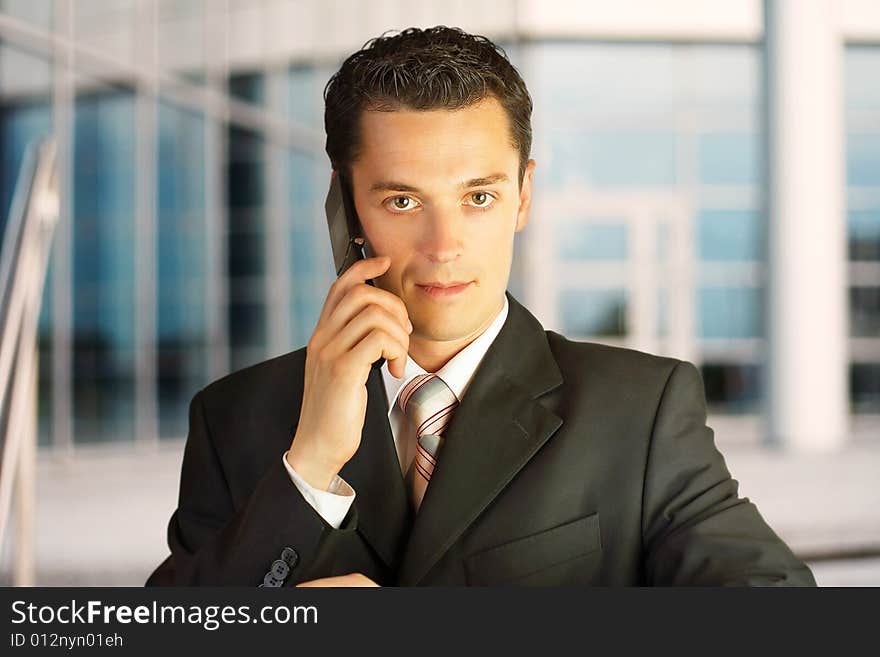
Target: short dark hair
{"x":435,"y":68}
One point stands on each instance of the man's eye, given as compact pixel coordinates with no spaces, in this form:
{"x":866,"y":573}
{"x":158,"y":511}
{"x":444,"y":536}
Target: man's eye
{"x":481,"y":199}
{"x":402,"y":203}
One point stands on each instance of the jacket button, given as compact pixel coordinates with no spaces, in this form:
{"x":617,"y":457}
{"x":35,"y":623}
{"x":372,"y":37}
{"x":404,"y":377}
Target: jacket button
{"x":289,"y":556}
{"x":271,"y":581}
{"x":279,"y":569}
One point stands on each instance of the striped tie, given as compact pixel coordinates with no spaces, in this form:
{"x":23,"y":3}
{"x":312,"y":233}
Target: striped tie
{"x":428,"y":403}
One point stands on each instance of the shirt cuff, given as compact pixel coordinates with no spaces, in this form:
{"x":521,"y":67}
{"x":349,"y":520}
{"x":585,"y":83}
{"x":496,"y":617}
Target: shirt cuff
{"x":331,"y":504}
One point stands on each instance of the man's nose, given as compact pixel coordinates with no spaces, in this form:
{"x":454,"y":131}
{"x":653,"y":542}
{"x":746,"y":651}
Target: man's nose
{"x":442,"y":239}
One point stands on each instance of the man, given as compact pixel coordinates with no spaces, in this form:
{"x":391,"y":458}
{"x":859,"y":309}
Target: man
{"x":484,"y":450}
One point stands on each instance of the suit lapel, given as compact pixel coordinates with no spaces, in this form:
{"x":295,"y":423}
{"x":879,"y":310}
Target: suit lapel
{"x":384,"y":513}
{"x":496,"y":429}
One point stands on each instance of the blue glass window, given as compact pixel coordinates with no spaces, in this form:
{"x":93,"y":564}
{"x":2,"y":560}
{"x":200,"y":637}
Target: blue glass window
{"x":303,"y":96}
{"x":249,"y":87}
{"x":613,"y":158}
{"x":864,"y":234}
{"x":103,"y":266}
{"x":732,"y":388}
{"x":863,"y":159}
{"x":730,"y":312}
{"x":20,"y":124}
{"x":311,"y":260}
{"x":729,"y":159}
{"x":592,"y":241}
{"x":864,"y":311}
{"x":246,"y":248}
{"x":730,"y":235}
{"x":864,"y":383}
{"x":593,"y":312}
{"x":181,"y":266}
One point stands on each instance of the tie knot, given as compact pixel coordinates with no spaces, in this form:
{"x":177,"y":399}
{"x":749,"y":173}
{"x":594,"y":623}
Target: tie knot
{"x":428,"y":403}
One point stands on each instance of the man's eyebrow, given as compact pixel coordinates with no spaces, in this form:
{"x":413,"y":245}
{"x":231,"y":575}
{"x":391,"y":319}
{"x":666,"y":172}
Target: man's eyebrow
{"x":393,"y":186}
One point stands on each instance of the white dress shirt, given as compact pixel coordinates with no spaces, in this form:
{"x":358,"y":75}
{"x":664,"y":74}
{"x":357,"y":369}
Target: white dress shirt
{"x":334,"y":503}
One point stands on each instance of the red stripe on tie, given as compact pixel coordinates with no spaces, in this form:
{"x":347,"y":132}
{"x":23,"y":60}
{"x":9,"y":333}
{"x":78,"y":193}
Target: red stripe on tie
{"x":421,"y":450}
{"x":424,"y":465}
{"x":426,"y":476}
{"x":438,"y":426}
{"x":418,"y":385}
{"x":443,"y":410}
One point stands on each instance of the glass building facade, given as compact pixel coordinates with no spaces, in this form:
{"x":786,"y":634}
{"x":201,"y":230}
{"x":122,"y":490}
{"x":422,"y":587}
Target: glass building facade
{"x":193,"y":241}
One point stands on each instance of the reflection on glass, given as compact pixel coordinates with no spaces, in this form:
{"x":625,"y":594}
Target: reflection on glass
{"x":862,"y":94}
{"x":864,"y":382}
{"x":864,"y":234}
{"x":732,"y":388}
{"x":634,"y":109}
{"x":592,"y":241}
{"x":593,"y":312}
{"x":609,"y":77}
{"x":863,"y":159}
{"x":103,"y":266}
{"x":730,"y":235}
{"x":612,"y":158}
{"x":21,"y":122}
{"x":303,"y":95}
{"x":729,"y":159}
{"x":246,"y":248}
{"x":311,"y":263}
{"x":249,"y":87}
{"x":864,"y":311}
{"x":181,"y":266}
{"x":729,"y":312}
{"x":662,"y":312}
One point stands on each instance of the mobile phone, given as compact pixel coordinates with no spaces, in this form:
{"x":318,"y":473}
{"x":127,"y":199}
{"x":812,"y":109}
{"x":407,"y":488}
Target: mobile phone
{"x":346,"y":234}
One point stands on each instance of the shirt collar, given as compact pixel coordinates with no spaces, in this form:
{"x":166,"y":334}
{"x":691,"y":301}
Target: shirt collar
{"x":460,"y":369}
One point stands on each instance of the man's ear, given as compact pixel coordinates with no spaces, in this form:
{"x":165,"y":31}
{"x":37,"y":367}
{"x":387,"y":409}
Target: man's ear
{"x":525,"y":197}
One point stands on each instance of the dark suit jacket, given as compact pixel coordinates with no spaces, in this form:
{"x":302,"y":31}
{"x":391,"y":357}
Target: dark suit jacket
{"x":566,"y":463}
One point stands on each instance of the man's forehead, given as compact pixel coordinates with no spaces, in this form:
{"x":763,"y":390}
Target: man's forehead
{"x":480,"y":125}
{"x":462,"y":148}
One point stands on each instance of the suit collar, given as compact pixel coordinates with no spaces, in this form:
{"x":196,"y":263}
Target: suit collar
{"x":497,"y":428}
{"x":458,"y":372}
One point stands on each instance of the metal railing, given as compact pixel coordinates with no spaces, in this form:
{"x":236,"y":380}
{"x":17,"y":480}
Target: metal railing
{"x":24,"y":259}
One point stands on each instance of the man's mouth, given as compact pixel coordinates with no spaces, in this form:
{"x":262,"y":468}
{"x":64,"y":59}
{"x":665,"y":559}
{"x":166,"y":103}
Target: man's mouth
{"x":439,"y":290}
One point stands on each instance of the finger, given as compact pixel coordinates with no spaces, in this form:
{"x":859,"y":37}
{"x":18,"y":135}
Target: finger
{"x":377,"y":344}
{"x":372,"y":318}
{"x":362,"y":296}
{"x":360,"y":272}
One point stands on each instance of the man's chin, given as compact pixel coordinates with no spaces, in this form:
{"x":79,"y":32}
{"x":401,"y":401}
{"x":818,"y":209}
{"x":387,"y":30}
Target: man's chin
{"x":435,"y":331}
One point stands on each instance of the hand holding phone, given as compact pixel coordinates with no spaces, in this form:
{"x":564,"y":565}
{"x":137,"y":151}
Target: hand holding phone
{"x":358,"y":325}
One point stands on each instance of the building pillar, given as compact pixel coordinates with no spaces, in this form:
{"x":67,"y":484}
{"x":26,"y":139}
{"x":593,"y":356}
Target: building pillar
{"x":807,"y":323}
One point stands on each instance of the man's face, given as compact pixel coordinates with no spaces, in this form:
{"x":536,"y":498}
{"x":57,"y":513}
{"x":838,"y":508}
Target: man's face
{"x":438,"y":192}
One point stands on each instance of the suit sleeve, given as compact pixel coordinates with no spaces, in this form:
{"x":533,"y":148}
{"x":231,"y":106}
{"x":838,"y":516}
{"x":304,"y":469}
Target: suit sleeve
{"x":696,"y":529}
{"x":332,"y":504}
{"x":215,"y":542}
